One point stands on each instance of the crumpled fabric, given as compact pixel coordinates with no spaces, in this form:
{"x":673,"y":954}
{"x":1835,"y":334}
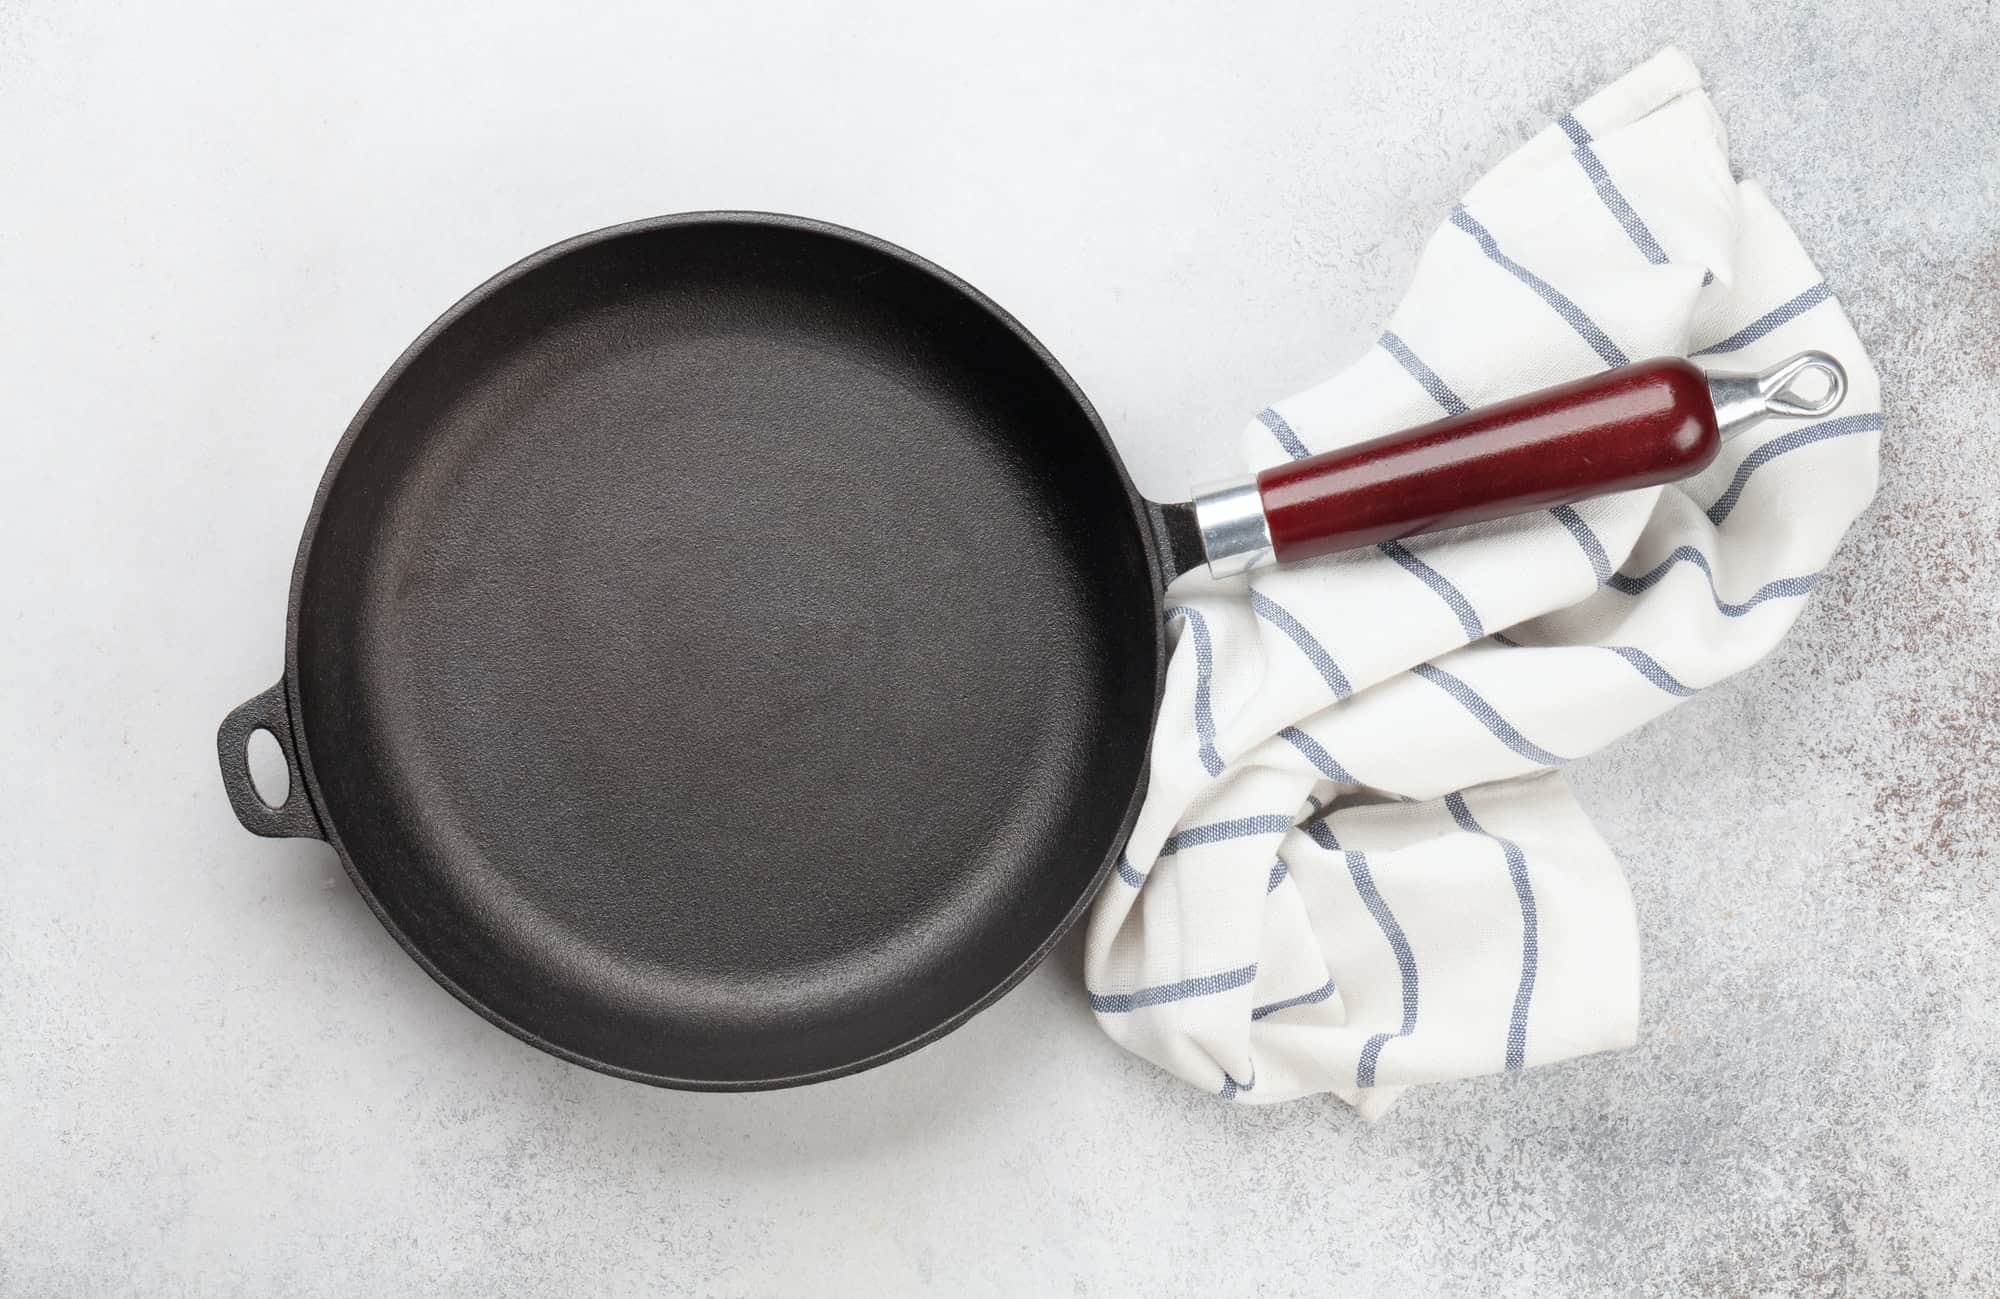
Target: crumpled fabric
{"x":1358,"y":866}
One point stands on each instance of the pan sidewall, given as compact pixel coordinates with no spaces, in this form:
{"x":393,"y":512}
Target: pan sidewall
{"x":1156,"y":580}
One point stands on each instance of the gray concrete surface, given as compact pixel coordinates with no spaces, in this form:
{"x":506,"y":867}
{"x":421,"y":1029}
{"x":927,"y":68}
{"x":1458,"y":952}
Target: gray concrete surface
{"x":218,"y":1076}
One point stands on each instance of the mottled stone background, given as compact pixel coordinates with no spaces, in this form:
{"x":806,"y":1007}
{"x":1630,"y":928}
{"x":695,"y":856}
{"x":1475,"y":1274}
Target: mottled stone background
{"x":218,"y":1076}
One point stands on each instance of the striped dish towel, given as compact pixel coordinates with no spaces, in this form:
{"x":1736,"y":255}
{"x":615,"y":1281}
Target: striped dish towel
{"x":1357,"y":867}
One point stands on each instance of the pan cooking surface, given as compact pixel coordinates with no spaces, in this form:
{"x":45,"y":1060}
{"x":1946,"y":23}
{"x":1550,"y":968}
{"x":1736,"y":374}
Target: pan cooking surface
{"x":727,"y":651}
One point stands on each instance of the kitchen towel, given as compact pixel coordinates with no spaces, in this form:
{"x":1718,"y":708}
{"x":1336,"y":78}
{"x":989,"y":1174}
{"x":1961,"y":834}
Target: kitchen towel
{"x":1357,"y":866}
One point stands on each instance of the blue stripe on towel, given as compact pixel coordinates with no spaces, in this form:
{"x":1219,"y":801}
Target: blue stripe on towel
{"x":1468,"y":617}
{"x":1517,"y":870}
{"x":1842,"y":426}
{"x":1593,"y":549}
{"x":1488,"y":715}
{"x":1783,"y":588}
{"x":1782,"y":314}
{"x":1196,"y":836}
{"x":1206,"y":985}
{"x":1316,"y":754}
{"x":1647,"y":666}
{"x":1313,"y":998}
{"x":1609,"y":193}
{"x":1282,"y":431}
{"x":1240,"y":827}
{"x":1439,"y":390}
{"x":1399,"y":945}
{"x":1599,"y":341}
{"x":1204,"y":673}
{"x":1278,"y":616}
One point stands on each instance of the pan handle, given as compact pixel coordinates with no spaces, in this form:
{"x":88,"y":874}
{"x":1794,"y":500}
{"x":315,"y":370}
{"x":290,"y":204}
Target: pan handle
{"x":292,"y":819}
{"x":1635,"y":426}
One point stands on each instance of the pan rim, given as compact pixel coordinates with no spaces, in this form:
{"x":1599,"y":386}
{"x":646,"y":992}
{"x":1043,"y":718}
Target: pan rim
{"x":1137,"y":507}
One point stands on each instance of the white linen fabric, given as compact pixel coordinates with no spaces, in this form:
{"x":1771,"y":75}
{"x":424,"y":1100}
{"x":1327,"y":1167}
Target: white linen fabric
{"x":1356,"y":867}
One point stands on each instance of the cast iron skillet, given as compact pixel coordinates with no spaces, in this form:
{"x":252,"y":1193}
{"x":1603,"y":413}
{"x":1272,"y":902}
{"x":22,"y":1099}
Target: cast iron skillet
{"x":723,"y":649}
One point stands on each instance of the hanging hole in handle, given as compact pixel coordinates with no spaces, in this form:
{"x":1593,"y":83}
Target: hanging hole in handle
{"x":1811,"y":383}
{"x":270,"y":774}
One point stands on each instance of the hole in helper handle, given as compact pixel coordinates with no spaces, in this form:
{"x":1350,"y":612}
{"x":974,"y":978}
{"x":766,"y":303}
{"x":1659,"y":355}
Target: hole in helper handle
{"x":291,"y":819}
{"x":1635,"y":426}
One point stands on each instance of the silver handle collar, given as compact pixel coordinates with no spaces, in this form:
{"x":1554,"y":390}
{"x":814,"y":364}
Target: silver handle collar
{"x":1235,"y":536}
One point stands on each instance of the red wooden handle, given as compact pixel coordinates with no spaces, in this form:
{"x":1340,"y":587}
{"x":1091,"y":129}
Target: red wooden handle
{"x":1630,"y":427}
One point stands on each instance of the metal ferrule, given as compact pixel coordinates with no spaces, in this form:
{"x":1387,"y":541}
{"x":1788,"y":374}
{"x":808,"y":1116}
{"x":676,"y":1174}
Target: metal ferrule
{"x":1743,"y":400}
{"x":1235,"y":536}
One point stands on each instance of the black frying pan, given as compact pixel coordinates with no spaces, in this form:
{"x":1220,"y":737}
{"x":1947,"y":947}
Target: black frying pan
{"x":723,"y":649}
